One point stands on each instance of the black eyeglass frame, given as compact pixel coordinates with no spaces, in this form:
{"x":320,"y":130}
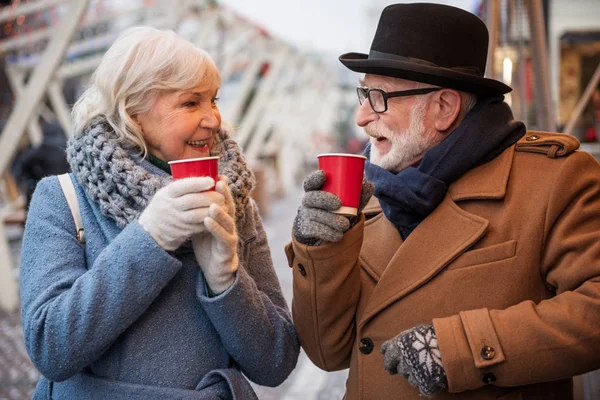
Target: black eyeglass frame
{"x":366,"y":94}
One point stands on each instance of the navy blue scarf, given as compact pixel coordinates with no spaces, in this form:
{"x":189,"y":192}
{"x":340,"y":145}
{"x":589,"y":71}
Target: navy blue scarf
{"x":409,"y":196}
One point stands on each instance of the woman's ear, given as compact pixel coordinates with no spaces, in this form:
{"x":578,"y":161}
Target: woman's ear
{"x":448,"y":110}
{"x":136,"y":119}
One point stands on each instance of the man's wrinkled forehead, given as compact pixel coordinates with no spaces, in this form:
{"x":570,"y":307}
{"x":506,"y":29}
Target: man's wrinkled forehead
{"x":386,"y":82}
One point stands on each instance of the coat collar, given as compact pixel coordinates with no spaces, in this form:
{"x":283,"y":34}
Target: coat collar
{"x":402,"y":267}
{"x":488,"y":181}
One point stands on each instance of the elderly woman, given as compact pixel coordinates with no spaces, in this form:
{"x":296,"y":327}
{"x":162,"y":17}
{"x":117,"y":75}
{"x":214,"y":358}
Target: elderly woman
{"x":173,"y":295}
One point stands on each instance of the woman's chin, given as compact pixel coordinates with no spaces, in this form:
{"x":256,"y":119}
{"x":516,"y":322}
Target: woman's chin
{"x":197,"y":152}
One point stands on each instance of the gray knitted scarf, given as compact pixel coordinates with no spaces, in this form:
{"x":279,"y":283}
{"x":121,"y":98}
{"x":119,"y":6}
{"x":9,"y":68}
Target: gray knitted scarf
{"x":117,"y":181}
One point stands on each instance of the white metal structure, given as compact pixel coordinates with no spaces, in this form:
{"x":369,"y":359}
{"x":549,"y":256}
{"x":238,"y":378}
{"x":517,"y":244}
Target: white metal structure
{"x":27,"y":101}
{"x":276,"y":97}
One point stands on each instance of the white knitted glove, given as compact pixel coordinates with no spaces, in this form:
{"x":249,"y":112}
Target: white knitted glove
{"x":216,"y":250}
{"x":177,"y":211}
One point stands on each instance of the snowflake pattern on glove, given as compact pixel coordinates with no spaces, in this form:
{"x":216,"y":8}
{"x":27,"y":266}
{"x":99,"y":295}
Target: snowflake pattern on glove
{"x":427,"y":348}
{"x":422,"y":358}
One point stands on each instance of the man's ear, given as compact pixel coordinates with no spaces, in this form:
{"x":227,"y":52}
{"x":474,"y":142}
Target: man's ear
{"x":448,"y":110}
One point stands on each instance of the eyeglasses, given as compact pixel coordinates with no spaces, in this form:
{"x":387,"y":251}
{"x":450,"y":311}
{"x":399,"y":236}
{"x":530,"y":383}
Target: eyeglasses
{"x":378,"y":98}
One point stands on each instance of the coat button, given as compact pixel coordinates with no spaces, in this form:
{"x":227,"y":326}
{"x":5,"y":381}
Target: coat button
{"x":365,"y":346}
{"x":488,"y":378}
{"x":531,"y":138}
{"x":301,"y":269}
{"x":487,"y":352}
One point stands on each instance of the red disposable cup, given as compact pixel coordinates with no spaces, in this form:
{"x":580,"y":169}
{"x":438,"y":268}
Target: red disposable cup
{"x":195,"y":167}
{"x":344,"y":179}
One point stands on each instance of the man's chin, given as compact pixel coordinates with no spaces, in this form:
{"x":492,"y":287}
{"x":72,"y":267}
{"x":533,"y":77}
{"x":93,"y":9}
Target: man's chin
{"x":388,"y":162}
{"x":384,"y":162}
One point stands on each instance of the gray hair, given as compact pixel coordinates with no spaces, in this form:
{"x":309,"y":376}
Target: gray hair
{"x":141,"y":64}
{"x":467,"y":100}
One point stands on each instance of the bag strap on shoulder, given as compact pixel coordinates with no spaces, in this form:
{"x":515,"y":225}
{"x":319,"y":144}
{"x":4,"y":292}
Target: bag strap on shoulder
{"x":69,"y":190}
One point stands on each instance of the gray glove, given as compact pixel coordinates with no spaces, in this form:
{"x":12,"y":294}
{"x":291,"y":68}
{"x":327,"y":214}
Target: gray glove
{"x":415,"y":354}
{"x":315,"y":220}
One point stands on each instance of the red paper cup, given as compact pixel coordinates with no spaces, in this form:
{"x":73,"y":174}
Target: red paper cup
{"x":195,"y":167}
{"x":344,"y":179}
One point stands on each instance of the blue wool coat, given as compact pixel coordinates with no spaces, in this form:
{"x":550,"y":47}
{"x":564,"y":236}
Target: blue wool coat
{"x":123,"y":319}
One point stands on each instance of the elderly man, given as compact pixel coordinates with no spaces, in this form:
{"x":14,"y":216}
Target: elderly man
{"x":474,"y":271}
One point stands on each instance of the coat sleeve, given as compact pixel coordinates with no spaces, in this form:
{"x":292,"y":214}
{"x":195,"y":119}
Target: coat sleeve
{"x":558,"y":337}
{"x":72,"y":312}
{"x":326,"y":295}
{"x":252,"y":316}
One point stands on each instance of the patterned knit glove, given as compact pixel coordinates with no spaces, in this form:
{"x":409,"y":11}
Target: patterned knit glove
{"x":315,"y":220}
{"x":415,"y":354}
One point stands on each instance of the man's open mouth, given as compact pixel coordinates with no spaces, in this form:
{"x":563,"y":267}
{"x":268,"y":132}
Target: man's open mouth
{"x":378,"y":138}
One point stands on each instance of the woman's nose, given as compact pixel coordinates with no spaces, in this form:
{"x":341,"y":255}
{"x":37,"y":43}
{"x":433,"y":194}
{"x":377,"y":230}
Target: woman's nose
{"x":211,"y":119}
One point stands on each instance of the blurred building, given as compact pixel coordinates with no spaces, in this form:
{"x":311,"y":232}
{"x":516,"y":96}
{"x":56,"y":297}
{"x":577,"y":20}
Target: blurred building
{"x":572,"y":34}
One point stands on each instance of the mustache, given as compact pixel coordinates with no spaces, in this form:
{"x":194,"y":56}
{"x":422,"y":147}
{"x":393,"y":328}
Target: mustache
{"x":376,"y":131}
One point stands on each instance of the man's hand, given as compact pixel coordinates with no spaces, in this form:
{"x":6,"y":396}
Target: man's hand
{"x":415,"y":355}
{"x":316,"y":220}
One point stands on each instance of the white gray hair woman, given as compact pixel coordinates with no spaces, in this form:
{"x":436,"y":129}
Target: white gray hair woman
{"x":142,"y":311}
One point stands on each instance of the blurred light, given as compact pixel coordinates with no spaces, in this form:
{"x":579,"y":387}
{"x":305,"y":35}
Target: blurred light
{"x":507,"y":66}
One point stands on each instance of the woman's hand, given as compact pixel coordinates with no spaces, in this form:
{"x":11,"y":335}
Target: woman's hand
{"x":216,"y":249}
{"x":177,"y":211}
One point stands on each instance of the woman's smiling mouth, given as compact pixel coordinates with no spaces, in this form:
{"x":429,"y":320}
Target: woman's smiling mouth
{"x":198,"y":144}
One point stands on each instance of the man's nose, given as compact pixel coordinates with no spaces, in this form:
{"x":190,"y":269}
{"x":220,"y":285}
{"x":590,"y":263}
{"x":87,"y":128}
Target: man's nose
{"x":365,"y":114}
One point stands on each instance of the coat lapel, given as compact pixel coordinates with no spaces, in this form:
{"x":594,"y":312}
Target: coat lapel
{"x":380,"y":252}
{"x":439,"y":239}
{"x":444,"y":235}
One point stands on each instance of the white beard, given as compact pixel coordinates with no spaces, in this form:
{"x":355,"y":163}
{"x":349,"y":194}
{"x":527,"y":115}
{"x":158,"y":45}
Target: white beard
{"x":408,"y":145}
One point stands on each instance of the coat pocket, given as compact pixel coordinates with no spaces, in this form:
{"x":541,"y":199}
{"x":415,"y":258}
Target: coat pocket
{"x":485,"y":255}
{"x":511,"y":396}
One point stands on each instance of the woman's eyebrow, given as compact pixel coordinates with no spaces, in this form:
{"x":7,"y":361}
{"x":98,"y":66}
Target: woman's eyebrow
{"x":199,"y":94}
{"x":192,"y":93}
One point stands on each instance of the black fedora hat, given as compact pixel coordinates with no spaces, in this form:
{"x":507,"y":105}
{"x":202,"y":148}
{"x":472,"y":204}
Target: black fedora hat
{"x":430,"y":43}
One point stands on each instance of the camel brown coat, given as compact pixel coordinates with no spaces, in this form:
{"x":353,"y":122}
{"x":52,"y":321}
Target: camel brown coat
{"x":510,"y":259}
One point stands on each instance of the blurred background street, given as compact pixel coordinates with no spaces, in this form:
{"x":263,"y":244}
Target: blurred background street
{"x":285,"y":93}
